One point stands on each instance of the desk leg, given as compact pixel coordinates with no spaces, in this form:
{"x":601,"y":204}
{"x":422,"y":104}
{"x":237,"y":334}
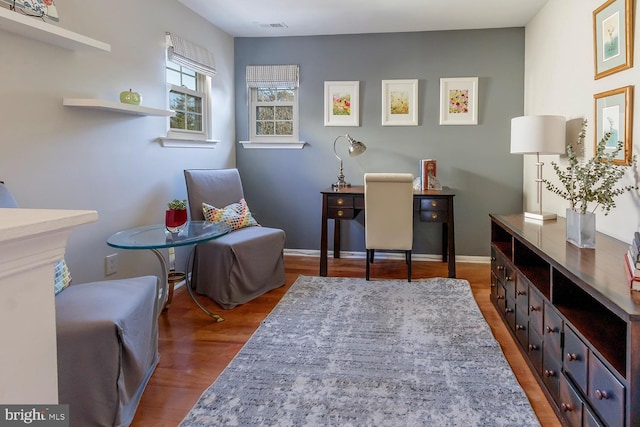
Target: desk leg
{"x":336,"y":238}
{"x":211,"y":314}
{"x":452,"y":242}
{"x":323,"y":238}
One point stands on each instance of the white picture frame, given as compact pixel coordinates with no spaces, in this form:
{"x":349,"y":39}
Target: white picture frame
{"x":459,"y":101}
{"x":400,"y":102}
{"x":342,"y":103}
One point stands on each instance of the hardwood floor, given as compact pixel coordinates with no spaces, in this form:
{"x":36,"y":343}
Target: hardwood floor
{"x":194,"y":349}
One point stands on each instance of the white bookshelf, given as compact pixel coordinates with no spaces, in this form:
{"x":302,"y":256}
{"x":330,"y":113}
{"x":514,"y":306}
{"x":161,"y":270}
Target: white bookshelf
{"x":37,"y":29}
{"x":118,"y":107}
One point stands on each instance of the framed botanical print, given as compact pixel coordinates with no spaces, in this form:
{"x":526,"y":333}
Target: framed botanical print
{"x":459,"y":101}
{"x":614,"y":114}
{"x":341,"y":103}
{"x":613,"y":37}
{"x":400,"y":102}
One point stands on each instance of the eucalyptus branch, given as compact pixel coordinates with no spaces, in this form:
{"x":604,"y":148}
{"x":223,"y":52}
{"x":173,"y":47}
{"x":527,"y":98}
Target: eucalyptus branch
{"x":592,"y":182}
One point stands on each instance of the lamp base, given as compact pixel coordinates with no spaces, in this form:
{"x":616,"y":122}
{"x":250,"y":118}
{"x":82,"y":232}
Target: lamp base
{"x":337,"y":186}
{"x":544,"y":216}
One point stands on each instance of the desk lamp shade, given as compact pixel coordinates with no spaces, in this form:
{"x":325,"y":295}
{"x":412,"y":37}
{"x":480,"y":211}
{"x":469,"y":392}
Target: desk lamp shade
{"x":355,"y":149}
{"x":538,"y":135}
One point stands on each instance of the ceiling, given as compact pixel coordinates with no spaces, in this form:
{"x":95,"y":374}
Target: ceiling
{"x":274,"y":18}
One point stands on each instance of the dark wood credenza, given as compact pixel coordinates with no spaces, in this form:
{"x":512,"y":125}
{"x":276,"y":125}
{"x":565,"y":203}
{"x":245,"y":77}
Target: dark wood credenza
{"x":574,"y":317}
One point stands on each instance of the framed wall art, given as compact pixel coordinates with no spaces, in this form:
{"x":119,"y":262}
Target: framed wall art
{"x":341,"y":103}
{"x":614,"y":113}
{"x":459,"y":101}
{"x":400,"y":102}
{"x":613,"y":37}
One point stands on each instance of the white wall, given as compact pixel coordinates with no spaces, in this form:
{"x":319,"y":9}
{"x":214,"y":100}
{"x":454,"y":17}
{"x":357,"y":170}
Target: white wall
{"x":59,"y":157}
{"x":559,"y":70}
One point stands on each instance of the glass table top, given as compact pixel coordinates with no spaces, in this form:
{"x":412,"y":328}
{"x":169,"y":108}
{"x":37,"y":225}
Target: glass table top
{"x":156,"y":236}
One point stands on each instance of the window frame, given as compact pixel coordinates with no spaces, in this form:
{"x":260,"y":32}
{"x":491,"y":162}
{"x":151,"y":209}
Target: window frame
{"x":253,"y":121}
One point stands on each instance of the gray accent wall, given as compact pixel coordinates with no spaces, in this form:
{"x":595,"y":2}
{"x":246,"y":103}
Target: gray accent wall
{"x":283,"y":186}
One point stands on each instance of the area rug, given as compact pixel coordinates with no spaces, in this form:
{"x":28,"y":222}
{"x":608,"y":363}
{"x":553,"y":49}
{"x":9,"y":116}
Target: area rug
{"x":347,"y":352}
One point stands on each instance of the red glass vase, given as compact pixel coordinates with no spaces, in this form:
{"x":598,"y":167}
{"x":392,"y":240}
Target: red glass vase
{"x":175,"y":219}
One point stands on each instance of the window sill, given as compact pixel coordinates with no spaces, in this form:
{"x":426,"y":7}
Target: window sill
{"x":296,"y":145}
{"x":187,"y":143}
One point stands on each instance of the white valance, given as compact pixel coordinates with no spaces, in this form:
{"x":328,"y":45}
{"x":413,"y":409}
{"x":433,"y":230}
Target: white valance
{"x":275,"y":76}
{"x":190,"y":55}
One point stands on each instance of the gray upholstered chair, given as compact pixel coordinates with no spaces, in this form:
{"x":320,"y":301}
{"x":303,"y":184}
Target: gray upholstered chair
{"x":107,"y":338}
{"x":241,"y":265}
{"x":388,"y":213}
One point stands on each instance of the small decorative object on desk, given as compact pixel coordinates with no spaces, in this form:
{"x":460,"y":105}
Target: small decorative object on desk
{"x":589,"y":183}
{"x":428,"y":172}
{"x":130,"y":97}
{"x":632,"y":262}
{"x":176,"y":216}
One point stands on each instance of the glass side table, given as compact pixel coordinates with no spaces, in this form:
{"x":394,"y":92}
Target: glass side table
{"x":155,"y":237}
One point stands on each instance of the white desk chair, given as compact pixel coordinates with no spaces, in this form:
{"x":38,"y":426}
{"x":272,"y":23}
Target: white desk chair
{"x":388,"y":200}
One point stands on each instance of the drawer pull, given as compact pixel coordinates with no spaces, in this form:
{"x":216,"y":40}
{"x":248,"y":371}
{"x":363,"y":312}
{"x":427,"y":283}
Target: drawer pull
{"x":508,"y":310}
{"x":493,"y":285}
{"x":493,"y":258}
{"x":434,"y":203}
{"x":519,"y":328}
{"x":500,"y":297}
{"x":508,"y":278}
{"x":340,"y":202}
{"x":567,"y":407}
{"x":572,"y":357}
{"x":340,"y":212}
{"x":550,"y":330}
{"x":601,"y":394}
{"x":434,"y":215}
{"x":533,"y":347}
{"x":549,"y":373}
{"x":501,"y":267}
{"x":521,"y":293}
{"x":533,"y":308}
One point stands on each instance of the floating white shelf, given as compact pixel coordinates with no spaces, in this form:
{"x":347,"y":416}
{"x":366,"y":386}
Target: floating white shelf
{"x":118,"y":107}
{"x":36,"y":29}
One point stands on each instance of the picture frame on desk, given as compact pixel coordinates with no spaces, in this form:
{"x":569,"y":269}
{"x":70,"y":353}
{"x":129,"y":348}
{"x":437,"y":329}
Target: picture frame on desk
{"x":613,"y":37}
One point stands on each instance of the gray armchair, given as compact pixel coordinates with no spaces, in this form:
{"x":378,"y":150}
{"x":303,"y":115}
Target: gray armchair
{"x":107,"y":340}
{"x":241,"y":265}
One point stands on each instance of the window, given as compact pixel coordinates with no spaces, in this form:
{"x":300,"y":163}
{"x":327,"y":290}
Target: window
{"x":273,"y":103}
{"x":186,"y":99}
{"x":189,"y":69}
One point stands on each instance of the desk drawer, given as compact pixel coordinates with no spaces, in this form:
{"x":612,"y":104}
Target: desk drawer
{"x":341,"y":213}
{"x":339,"y":201}
{"x":434,"y":205}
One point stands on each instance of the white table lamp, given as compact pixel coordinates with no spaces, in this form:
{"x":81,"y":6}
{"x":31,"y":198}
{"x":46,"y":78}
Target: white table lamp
{"x":538,"y":135}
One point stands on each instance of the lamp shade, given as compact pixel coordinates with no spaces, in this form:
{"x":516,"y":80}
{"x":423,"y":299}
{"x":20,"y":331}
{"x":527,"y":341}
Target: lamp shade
{"x":538,"y":134}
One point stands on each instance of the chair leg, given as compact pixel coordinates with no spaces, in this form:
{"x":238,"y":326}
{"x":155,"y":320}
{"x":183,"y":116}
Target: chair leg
{"x":367,"y":269}
{"x":408,"y":259}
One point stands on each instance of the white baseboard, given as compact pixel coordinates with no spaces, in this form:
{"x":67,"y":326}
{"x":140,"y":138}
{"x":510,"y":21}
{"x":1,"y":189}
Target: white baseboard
{"x":388,"y":255}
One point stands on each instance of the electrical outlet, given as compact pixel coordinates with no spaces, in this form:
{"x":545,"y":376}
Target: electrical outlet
{"x":111,"y":264}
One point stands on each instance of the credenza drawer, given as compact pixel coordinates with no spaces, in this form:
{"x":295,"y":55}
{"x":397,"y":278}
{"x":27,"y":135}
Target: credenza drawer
{"x":575,"y":360}
{"x":551,"y":367}
{"x":606,"y":394}
{"x":534,"y":349}
{"x":552,"y":330}
{"x":536,"y":316}
{"x":570,"y":404}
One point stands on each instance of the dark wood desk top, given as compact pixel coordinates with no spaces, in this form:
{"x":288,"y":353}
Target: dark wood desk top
{"x":359,"y":189}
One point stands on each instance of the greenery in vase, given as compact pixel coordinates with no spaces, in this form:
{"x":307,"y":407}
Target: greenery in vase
{"x":592,"y":182}
{"x":176,"y":204}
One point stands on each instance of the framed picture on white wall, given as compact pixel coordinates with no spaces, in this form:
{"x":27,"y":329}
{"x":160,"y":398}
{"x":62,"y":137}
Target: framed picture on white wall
{"x":613,"y":37}
{"x":614,"y":115}
{"x":400,"y":102}
{"x":459,"y":101}
{"x":341,"y":103}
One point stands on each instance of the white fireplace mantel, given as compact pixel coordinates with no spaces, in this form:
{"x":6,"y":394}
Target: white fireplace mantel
{"x":31,"y":241}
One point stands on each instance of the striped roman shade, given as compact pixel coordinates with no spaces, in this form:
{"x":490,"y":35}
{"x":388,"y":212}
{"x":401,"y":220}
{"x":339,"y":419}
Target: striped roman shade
{"x":272,"y":76}
{"x":190,"y":55}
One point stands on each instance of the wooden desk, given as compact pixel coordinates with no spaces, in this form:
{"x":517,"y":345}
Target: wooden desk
{"x":346,"y":204}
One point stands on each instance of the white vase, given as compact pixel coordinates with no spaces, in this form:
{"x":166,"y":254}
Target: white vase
{"x":581,"y":229}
